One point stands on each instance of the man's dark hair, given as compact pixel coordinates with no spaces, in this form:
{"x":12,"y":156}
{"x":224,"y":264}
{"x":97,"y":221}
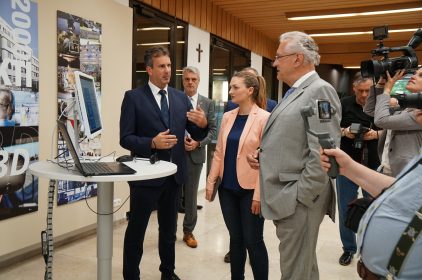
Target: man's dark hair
{"x":155,"y":51}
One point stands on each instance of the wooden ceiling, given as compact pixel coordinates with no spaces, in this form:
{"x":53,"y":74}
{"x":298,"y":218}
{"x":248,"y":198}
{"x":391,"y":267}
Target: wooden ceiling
{"x":270,"y":18}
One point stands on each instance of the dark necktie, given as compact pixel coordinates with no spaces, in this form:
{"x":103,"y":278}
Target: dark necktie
{"x":288,"y":92}
{"x":164,"y":107}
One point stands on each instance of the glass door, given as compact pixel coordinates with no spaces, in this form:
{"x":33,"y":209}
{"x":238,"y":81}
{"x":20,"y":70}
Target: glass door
{"x":270,"y":75}
{"x":152,"y":28}
{"x":225,"y":59}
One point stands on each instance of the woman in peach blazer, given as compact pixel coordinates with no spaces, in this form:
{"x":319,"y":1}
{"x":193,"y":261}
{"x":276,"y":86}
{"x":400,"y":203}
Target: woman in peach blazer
{"x":240,"y":134}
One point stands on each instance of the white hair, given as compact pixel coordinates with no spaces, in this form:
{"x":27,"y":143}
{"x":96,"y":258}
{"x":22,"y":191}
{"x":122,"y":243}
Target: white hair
{"x":191,"y":69}
{"x":302,"y":43}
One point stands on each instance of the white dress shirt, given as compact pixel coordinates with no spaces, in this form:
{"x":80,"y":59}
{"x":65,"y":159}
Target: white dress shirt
{"x":157,"y":96}
{"x":194,"y":100}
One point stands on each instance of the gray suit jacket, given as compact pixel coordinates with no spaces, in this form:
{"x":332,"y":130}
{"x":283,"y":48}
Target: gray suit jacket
{"x":290,"y":169}
{"x":198,"y":156}
{"x":406,"y":133}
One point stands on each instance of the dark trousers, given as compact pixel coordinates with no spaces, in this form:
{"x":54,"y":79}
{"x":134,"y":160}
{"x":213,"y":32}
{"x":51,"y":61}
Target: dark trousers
{"x":347,"y":191}
{"x":246,"y":233}
{"x":143,"y":200}
{"x":190,"y":191}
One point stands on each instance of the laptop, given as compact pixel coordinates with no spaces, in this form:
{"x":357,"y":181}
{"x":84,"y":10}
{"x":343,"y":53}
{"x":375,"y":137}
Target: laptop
{"x":93,"y":168}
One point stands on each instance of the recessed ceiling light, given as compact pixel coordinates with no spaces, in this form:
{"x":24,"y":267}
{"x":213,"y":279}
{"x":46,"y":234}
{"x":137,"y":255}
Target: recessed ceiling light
{"x":357,"y":14}
{"x":359,"y":33}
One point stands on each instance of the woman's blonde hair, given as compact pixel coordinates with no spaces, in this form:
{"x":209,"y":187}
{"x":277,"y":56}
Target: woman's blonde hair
{"x":258,"y":84}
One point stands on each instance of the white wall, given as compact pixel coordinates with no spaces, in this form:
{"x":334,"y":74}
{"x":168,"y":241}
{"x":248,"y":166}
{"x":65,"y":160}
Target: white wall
{"x":23,"y":232}
{"x":256,"y":62}
{"x":198,"y":36}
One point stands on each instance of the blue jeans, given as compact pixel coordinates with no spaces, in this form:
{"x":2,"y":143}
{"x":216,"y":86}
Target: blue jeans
{"x":347,"y":191}
{"x":246,"y":233}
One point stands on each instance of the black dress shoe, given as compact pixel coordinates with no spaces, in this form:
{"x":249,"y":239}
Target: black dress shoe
{"x":346,"y":258}
{"x":199,"y":207}
{"x":170,"y":277}
{"x":227,"y":258}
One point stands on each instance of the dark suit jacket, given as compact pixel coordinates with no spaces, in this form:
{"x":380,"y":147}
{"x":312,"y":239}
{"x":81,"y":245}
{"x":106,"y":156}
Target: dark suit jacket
{"x":270,"y":105}
{"x":198,"y":156}
{"x":141,"y":120}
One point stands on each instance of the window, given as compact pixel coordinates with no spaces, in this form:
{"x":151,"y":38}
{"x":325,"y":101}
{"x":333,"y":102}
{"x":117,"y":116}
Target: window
{"x":151,"y":27}
{"x":270,"y":75}
{"x":225,"y":59}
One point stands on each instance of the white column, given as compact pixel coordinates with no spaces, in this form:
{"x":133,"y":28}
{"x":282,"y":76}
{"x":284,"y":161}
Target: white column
{"x":256,"y":62}
{"x":198,"y":37}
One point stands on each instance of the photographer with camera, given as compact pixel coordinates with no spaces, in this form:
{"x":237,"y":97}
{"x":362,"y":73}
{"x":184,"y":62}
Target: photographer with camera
{"x":389,"y":239}
{"x":403,"y":138}
{"x":360,"y":142}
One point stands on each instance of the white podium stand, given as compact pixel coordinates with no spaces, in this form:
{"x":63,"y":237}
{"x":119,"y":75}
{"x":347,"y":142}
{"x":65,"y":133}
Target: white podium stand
{"x":145,"y":171}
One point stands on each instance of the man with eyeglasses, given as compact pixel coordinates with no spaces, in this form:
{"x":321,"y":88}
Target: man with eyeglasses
{"x":295,"y":192}
{"x":195,"y":154}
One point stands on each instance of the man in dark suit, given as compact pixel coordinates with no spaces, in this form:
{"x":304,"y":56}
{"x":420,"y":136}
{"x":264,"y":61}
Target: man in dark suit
{"x":154,"y":119}
{"x":195,"y":153}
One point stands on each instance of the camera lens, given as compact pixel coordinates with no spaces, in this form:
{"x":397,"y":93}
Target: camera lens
{"x":367,"y":68}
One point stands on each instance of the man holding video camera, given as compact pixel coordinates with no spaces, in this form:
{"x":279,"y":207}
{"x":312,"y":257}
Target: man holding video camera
{"x":403,"y":138}
{"x":359,"y":141}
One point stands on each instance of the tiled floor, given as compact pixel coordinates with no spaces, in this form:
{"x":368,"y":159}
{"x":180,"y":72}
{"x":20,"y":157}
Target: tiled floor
{"x":78,"y":260}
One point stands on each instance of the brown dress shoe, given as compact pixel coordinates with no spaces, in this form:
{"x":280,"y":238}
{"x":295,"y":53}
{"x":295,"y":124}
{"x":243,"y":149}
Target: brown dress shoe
{"x":190,"y":240}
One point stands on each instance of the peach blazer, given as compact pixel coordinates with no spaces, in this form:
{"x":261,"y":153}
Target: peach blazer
{"x":250,"y":140}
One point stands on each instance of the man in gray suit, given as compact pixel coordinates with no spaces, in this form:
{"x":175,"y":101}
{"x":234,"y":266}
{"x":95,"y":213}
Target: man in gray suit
{"x":295,"y":192}
{"x":195,"y":153}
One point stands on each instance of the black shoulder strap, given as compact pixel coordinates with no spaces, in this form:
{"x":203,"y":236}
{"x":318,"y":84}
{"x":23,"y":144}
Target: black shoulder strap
{"x":407,"y":239}
{"x":404,"y":245}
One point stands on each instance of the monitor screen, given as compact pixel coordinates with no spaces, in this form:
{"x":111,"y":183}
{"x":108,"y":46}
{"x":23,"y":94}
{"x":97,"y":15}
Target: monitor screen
{"x":88,"y":105}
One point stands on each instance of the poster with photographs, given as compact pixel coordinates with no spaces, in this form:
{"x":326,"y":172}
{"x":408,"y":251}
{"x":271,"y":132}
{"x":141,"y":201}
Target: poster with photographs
{"x":19,"y":107}
{"x":78,"y":49}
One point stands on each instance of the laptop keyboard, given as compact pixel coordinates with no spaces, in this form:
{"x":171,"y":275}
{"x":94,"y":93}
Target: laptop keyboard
{"x":96,"y":168}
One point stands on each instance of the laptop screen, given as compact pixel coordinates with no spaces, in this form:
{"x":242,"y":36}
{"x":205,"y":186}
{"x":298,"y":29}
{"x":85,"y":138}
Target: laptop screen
{"x":69,"y":144}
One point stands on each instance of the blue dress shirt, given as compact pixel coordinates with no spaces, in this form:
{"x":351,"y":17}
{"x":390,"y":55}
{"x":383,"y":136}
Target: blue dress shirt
{"x":384,"y":222}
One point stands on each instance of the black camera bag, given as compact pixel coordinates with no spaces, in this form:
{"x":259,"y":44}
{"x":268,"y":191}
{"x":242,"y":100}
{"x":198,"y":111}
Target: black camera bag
{"x":357,"y":208}
{"x":355,"y":211}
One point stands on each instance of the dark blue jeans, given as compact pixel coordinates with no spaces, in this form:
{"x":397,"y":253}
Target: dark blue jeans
{"x":246,"y":233}
{"x":347,"y":191}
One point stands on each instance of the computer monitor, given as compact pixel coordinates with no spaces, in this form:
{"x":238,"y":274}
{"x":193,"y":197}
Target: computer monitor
{"x":88,"y":106}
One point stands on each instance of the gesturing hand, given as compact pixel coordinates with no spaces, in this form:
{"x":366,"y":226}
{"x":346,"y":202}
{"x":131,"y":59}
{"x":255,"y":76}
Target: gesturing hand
{"x":164,"y":140}
{"x":197,"y":116}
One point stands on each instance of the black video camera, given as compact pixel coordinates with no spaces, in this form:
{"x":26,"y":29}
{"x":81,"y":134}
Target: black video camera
{"x":378,"y":68}
{"x":358,"y":130}
{"x":409,"y":100}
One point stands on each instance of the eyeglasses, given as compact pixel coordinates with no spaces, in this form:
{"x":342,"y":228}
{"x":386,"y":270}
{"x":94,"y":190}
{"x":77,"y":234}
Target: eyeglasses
{"x":277,"y":57}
